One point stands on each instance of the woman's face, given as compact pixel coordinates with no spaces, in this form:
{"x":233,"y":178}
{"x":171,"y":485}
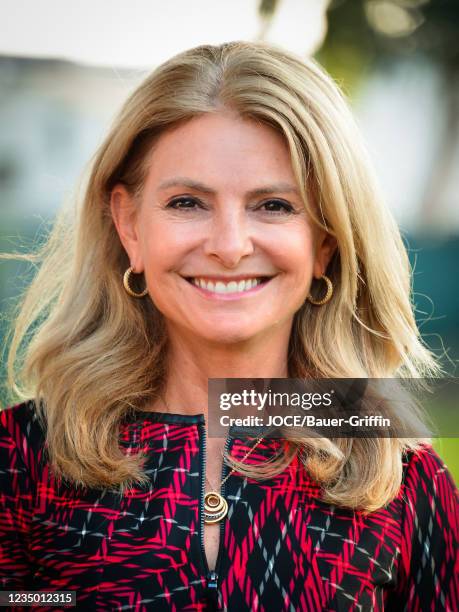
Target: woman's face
{"x":220,"y":209}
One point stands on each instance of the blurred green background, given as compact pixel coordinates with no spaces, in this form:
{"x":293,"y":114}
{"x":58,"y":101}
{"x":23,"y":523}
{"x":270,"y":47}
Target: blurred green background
{"x":396,"y":60}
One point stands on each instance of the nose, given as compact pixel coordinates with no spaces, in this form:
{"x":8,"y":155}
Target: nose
{"x":229,"y":238}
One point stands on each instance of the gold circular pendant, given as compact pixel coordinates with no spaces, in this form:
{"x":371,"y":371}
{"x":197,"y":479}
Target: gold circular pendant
{"x":215,"y":507}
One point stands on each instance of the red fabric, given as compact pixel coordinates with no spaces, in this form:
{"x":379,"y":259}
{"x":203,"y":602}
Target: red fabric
{"x":282,"y":548}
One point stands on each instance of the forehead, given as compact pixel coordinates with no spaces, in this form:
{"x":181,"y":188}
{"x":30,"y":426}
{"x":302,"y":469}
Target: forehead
{"x":218,"y":148}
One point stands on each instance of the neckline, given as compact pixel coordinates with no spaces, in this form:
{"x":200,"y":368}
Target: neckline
{"x":166,"y":417}
{"x":174,"y":418}
{"x":184,"y":419}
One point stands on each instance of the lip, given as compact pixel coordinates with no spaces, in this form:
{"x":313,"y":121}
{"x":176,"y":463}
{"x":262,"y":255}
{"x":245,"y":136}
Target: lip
{"x":228,"y":279}
{"x":237,"y":295}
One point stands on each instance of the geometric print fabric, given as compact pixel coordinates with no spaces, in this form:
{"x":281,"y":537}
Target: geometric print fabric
{"x":281,"y":547}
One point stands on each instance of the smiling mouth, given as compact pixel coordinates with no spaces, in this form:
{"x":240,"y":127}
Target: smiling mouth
{"x":229,"y":288}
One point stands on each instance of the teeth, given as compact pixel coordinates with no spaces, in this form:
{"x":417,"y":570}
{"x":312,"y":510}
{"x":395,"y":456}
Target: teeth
{"x":231,"y":287}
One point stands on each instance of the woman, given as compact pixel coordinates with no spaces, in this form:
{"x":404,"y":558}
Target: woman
{"x":230,"y":228}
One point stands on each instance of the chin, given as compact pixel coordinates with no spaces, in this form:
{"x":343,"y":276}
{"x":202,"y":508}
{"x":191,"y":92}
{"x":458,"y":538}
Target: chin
{"x":227,"y":337}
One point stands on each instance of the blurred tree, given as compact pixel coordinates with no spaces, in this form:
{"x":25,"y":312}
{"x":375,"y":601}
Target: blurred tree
{"x":364,"y":32}
{"x":369,"y":34}
{"x":267,"y":8}
{"x":267,"y":11}
{"x":365,"y":35}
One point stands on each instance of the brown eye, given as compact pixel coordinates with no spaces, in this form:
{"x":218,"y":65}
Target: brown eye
{"x":189,"y":200}
{"x":285,"y":208}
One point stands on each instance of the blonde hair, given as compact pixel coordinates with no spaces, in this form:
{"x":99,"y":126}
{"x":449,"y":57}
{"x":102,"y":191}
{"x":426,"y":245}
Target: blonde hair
{"x":88,"y":353}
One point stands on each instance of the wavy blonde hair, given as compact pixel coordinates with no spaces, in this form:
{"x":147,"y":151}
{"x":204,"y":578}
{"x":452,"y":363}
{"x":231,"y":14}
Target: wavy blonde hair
{"x":88,"y":353}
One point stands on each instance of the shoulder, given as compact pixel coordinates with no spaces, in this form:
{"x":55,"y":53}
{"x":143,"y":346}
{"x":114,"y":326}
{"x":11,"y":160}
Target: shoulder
{"x":426,"y":474}
{"x":22,"y":428}
{"x":428,"y":492}
{"x":425,"y":457}
{"x":430,"y":528}
{"x":427,"y":576}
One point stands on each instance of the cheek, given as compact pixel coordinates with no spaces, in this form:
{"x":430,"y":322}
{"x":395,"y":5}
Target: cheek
{"x":296,"y":252}
{"x":160,"y":247}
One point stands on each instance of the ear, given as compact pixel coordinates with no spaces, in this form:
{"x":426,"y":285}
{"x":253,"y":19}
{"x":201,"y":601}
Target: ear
{"x":326,"y":245}
{"x":124,"y":214}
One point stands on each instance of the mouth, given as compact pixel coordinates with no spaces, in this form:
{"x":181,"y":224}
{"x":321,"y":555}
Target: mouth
{"x":229,"y":290}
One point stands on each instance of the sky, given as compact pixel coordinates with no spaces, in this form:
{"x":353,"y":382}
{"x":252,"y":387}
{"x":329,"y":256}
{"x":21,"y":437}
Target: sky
{"x":141,"y":33}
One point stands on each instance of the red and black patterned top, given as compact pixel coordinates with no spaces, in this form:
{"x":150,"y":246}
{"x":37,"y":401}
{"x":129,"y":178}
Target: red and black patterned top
{"x":281,"y":547}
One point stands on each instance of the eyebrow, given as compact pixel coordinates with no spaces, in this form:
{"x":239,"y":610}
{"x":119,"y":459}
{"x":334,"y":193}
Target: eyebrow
{"x":181,"y":181}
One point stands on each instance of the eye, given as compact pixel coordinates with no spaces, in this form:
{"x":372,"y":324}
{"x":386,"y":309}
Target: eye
{"x":174,"y":203}
{"x":286,"y":208}
{"x":273,"y":207}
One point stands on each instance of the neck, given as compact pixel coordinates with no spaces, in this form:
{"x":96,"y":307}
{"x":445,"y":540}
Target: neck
{"x":191,"y":364}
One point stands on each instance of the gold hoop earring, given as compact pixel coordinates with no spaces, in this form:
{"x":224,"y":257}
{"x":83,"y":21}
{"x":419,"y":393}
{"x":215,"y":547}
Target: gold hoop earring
{"x":327,"y":296}
{"x":127,"y":274}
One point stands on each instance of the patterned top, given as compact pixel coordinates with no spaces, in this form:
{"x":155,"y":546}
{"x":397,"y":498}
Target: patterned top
{"x":281,"y":547}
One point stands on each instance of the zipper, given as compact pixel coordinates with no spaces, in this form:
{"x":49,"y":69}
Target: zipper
{"x":212,"y":576}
